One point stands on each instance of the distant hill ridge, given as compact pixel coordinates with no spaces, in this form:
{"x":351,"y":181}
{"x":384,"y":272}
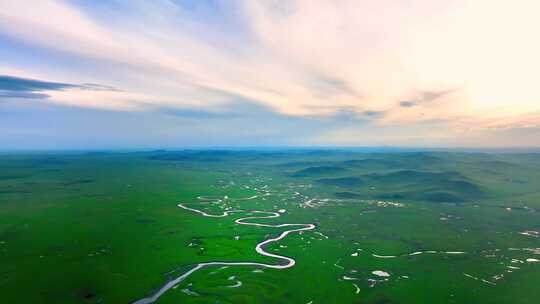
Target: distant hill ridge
{"x":320,"y":170}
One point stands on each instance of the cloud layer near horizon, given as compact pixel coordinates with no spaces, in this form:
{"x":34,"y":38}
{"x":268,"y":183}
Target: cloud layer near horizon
{"x":372,"y":72}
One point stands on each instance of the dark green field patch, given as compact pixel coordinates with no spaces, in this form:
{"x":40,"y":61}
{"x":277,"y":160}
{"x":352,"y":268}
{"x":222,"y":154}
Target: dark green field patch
{"x":345,"y":182}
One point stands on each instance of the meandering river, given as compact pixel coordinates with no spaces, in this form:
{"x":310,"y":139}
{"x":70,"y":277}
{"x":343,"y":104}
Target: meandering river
{"x":284,"y":262}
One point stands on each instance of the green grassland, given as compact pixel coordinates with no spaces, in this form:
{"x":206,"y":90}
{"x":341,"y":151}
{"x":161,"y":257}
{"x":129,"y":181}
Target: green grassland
{"x":105,"y":227}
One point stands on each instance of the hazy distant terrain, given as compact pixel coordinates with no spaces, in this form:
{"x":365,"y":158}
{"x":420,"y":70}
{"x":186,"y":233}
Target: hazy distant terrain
{"x":390,"y":227}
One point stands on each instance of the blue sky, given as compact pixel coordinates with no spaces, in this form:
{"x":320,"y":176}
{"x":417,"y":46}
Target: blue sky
{"x":142,"y":74}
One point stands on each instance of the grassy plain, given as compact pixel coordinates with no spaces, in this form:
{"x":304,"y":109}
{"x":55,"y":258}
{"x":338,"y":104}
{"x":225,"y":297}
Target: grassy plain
{"x":105,"y":228}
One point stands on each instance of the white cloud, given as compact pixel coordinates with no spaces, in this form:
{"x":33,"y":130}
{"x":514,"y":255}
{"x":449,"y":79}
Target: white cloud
{"x":304,"y":58}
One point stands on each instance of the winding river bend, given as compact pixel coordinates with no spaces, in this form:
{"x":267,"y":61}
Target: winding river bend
{"x":284,"y":262}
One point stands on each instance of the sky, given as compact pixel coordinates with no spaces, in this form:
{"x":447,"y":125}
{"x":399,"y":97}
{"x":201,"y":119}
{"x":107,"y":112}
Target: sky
{"x":85,"y":74}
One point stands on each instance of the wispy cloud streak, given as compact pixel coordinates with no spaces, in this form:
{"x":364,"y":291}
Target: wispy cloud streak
{"x":393,"y":64}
